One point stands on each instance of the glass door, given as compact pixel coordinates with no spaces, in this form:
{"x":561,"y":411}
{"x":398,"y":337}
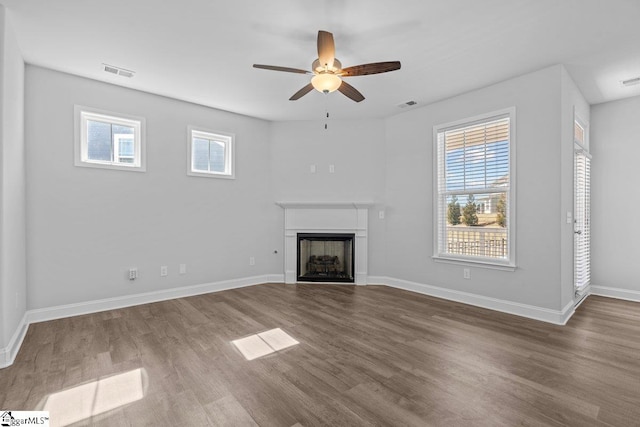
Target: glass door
{"x":582,"y":216}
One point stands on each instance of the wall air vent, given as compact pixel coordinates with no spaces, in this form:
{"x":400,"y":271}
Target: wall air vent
{"x":118,"y":71}
{"x":631,"y":82}
{"x":407,"y":104}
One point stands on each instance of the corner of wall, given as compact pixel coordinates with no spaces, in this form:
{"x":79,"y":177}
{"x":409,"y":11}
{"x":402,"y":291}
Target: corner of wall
{"x":2,"y":97}
{"x":12,"y":190}
{"x":8,"y":354}
{"x":573,"y":105}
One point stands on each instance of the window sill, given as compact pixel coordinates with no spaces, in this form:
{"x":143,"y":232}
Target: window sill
{"x":475,"y":263}
{"x":100,"y":165}
{"x":211,"y":175}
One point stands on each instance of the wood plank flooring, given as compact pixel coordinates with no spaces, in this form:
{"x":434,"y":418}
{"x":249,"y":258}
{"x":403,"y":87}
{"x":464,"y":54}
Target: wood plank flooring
{"x":367,"y":356}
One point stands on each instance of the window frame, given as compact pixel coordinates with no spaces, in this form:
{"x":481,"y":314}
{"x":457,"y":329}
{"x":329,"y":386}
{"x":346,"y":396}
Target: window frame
{"x":469,"y":260}
{"x":82,"y":114}
{"x":229,"y":142}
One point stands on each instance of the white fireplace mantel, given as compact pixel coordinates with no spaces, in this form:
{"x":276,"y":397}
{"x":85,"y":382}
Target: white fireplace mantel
{"x":326,"y":217}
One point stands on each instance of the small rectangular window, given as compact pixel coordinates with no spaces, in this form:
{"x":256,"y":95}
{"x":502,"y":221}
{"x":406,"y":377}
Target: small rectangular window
{"x":210,"y":154}
{"x":109,"y":140}
{"x":474,"y":190}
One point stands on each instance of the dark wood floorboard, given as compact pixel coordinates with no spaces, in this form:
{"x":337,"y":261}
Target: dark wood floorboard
{"x":368,"y":356}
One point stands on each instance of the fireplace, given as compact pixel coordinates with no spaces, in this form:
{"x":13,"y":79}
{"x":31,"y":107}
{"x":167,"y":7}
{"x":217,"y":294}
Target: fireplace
{"x":326,"y":218}
{"x":325,"y":257}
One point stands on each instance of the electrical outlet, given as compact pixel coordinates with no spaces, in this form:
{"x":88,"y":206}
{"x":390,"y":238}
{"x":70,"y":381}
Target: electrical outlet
{"x":312,"y":168}
{"x":252,"y":260}
{"x":183,"y":268}
{"x":332,"y":168}
{"x":133,"y":273}
{"x":163,"y":270}
{"x":466,"y":273}
{"x":380,"y":214}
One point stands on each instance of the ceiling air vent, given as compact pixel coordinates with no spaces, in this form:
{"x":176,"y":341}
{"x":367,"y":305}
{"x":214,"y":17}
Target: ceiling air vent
{"x":118,"y":71}
{"x":631,"y":82}
{"x":110,"y":69}
{"x":407,"y":104}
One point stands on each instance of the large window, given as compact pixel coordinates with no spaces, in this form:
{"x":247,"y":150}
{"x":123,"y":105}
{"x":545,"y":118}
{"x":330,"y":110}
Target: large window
{"x":109,"y":140}
{"x":210,"y":154}
{"x":474,"y":190}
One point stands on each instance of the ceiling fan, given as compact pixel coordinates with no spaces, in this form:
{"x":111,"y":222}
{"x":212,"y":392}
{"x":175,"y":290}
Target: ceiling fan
{"x":327,"y":71}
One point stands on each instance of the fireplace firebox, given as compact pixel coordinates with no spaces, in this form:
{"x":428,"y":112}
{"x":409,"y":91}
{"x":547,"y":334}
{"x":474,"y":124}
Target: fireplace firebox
{"x":325,"y":257}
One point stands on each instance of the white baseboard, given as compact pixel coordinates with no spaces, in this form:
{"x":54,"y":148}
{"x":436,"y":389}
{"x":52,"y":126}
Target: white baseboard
{"x":275,"y":278}
{"x":68,"y":310}
{"x":625,"y":294}
{"x":558,"y":317}
{"x":8,"y":354}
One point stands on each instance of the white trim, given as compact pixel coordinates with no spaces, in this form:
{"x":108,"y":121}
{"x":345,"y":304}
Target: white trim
{"x":479,"y":262}
{"x":225,"y":138}
{"x":580,"y":298}
{"x":326,"y":217}
{"x":68,"y":310}
{"x":624,"y":294}
{"x":577,"y":118}
{"x":80,"y":116}
{"x":511,"y":263}
{"x":275,"y":278}
{"x":557,"y":317}
{"x":8,"y":354}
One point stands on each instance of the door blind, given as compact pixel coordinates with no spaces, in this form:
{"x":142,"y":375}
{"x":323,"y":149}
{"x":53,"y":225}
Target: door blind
{"x":582,"y":241}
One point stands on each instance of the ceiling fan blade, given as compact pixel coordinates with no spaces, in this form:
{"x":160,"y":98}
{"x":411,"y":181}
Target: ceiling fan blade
{"x":326,"y":48}
{"x":302,"y":92}
{"x":285,"y":69}
{"x":350,"y":92}
{"x":373,"y":68}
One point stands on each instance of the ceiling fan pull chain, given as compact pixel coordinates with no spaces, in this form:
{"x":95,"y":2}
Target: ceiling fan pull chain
{"x":326,"y":109}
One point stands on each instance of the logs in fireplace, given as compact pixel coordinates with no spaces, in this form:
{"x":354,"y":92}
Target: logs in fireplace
{"x":325,"y":257}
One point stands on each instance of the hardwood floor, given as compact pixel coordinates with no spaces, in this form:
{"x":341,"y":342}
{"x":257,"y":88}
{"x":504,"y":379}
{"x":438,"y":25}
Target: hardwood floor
{"x":366,"y":356}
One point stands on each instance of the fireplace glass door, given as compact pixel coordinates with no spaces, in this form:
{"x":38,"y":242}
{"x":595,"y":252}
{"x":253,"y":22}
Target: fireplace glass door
{"x":325,"y":257}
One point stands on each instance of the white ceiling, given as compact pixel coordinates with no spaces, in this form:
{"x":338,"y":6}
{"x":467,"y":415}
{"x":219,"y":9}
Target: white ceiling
{"x":203,"y":50}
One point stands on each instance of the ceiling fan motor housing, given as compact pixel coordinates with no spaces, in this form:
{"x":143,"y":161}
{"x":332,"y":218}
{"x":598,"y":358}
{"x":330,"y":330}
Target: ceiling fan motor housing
{"x":319,"y":68}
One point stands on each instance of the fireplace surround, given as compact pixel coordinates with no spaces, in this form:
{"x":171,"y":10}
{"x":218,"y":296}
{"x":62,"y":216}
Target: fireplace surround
{"x":333,"y":218}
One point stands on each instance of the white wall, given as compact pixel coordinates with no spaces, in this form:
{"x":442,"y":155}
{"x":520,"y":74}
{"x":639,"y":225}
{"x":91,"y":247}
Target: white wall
{"x":409,"y":192}
{"x":87,"y":227}
{"x":615,"y":238}
{"x":356,"y":148}
{"x":13,"y":281}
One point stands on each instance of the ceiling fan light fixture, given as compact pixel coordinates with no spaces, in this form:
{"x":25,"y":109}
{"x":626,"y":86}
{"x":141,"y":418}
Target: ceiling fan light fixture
{"x":328,"y":71}
{"x":326,"y":82}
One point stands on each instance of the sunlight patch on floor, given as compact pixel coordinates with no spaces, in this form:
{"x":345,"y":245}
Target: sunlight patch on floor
{"x":264,"y":343}
{"x":96,"y":397}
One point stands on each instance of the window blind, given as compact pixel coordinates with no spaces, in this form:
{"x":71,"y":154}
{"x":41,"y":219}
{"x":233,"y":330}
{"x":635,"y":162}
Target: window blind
{"x":473,"y":163}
